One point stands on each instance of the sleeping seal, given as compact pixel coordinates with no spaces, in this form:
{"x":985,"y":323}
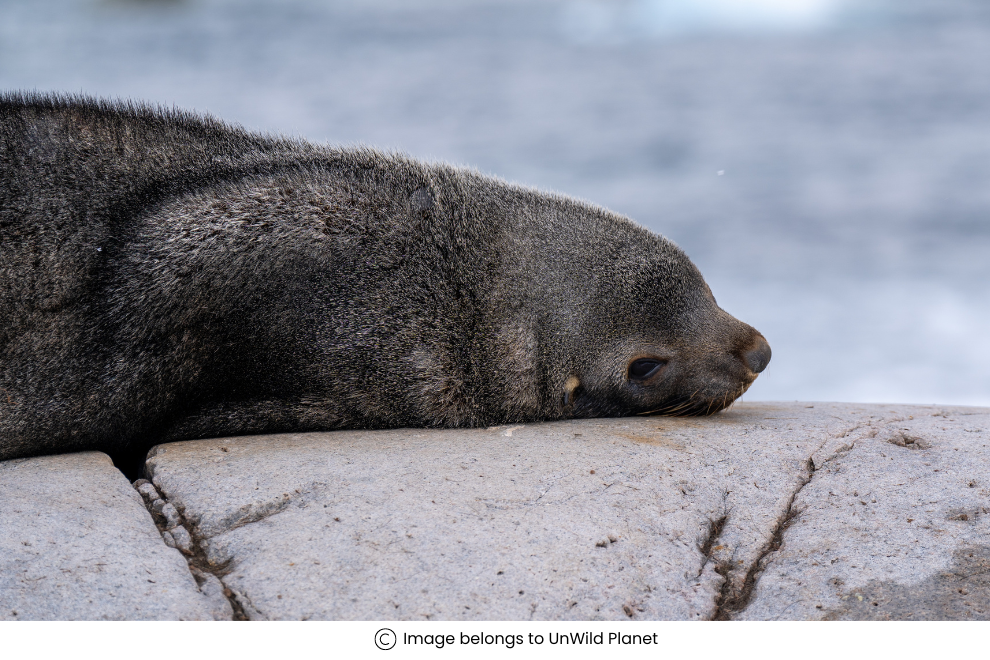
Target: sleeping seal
{"x":165,"y":276}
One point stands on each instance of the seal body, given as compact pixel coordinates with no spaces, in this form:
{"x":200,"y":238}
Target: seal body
{"x":165,"y":276}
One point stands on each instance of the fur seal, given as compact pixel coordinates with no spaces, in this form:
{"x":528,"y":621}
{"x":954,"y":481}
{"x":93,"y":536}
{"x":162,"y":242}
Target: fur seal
{"x":166,"y":276}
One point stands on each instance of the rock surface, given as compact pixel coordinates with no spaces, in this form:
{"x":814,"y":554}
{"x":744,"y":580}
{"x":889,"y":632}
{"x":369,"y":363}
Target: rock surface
{"x":643,"y":518}
{"x":765,"y":511}
{"x":893,"y":526}
{"x":76,"y":542}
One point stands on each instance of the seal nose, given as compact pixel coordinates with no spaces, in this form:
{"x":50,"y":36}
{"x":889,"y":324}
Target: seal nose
{"x":758,"y":358}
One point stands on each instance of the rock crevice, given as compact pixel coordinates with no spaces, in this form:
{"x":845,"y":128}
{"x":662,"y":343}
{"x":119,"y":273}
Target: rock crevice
{"x":731,"y":601}
{"x":176,"y":534}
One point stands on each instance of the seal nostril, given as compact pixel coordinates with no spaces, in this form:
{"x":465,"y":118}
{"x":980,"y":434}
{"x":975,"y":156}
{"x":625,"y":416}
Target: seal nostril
{"x":758,"y":358}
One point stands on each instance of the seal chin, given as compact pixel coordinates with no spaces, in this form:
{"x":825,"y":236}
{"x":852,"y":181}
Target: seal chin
{"x":698,"y":406}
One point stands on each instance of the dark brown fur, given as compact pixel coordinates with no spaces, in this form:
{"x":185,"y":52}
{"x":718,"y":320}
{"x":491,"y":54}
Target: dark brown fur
{"x":166,"y":276}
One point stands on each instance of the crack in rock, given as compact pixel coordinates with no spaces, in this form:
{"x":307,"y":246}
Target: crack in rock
{"x":841,"y":443}
{"x":253,"y":513}
{"x":730,"y":602}
{"x":715,"y":528}
{"x":209,"y":578}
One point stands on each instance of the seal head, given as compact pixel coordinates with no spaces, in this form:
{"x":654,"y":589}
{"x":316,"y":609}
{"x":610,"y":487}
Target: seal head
{"x":626,"y":322}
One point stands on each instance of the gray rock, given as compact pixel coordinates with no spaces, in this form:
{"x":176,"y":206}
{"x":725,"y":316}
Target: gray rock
{"x":76,"y":542}
{"x":182,"y":540}
{"x":895,"y":526}
{"x":211,"y":587}
{"x":171,"y":515}
{"x":147,"y":491}
{"x":652,"y":518}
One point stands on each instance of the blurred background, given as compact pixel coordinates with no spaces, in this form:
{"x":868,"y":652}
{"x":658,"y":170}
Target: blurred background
{"x":825,"y":163}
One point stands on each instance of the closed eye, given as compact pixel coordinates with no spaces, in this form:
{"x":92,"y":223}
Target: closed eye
{"x":645,"y":368}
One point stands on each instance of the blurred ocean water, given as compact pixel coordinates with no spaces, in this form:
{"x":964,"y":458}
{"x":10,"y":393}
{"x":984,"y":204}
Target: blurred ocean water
{"x":826,"y":163}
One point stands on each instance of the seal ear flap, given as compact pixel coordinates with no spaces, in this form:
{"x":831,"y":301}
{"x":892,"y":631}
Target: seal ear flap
{"x":572,"y":388}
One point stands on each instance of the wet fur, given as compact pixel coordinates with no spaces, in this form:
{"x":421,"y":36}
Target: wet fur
{"x":166,"y":276}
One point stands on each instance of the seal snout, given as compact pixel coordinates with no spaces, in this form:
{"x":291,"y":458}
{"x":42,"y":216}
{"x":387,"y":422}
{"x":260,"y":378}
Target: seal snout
{"x":758,"y":357}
